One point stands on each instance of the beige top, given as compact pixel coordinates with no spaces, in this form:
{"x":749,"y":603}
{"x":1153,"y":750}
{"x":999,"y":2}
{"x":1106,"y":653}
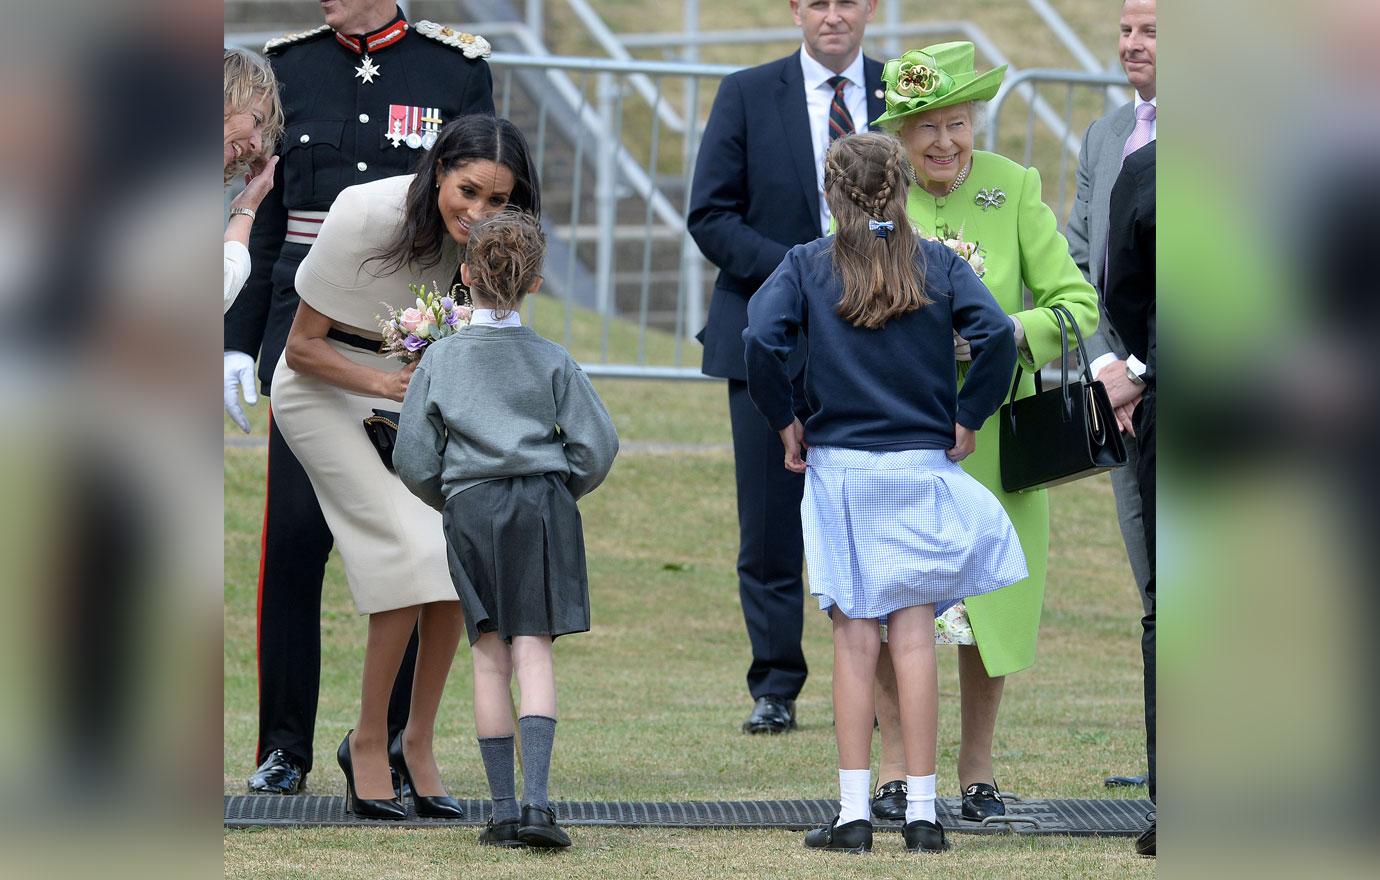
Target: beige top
{"x":333,"y":278}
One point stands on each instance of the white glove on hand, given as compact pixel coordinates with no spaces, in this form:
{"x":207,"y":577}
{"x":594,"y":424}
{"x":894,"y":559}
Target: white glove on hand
{"x":963,"y":349}
{"x":239,"y":375}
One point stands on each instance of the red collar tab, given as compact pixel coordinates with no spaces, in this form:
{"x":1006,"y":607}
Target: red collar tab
{"x":375,"y":41}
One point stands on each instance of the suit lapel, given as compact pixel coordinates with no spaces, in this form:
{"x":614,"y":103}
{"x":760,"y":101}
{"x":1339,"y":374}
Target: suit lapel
{"x":795,"y":119}
{"x":872,"y":84}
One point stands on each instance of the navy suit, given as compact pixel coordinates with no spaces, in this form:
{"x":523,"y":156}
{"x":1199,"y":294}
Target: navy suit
{"x":756,"y":195}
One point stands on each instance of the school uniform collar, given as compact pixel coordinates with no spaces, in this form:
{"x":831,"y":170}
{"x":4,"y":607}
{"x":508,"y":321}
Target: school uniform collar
{"x":817,"y":75}
{"x":488,"y":318}
{"x":363,"y":44}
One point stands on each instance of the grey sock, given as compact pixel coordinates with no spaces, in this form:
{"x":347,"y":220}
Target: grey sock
{"x":538,"y":735}
{"x":497,"y":752}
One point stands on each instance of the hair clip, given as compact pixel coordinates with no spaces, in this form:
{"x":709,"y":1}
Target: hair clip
{"x":881,"y":227}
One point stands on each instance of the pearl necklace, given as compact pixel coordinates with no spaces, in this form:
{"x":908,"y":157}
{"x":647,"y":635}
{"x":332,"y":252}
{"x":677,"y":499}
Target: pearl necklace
{"x":962,"y":176}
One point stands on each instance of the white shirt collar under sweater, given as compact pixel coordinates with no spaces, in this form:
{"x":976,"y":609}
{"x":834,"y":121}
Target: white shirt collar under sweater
{"x":485,"y":318}
{"x":818,"y":97}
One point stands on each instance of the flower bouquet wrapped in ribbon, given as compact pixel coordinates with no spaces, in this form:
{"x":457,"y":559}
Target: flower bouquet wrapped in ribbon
{"x":407,"y":332}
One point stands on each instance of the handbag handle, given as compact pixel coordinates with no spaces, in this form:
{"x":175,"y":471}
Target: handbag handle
{"x":1062,"y":315}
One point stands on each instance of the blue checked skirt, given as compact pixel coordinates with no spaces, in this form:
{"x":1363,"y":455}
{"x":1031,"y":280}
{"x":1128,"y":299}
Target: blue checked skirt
{"x":888,"y":530}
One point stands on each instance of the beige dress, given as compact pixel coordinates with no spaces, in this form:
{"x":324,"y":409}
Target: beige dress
{"x":390,"y":541}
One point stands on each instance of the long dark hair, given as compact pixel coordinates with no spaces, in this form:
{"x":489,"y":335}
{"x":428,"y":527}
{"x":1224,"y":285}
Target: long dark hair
{"x":467,"y":139}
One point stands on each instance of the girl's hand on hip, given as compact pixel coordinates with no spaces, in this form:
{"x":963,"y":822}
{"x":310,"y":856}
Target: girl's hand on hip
{"x":965,"y":441}
{"x":793,"y":438}
{"x":395,"y":384}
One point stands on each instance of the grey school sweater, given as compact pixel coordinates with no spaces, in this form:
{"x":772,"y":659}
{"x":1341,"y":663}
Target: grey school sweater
{"x":495,"y":402}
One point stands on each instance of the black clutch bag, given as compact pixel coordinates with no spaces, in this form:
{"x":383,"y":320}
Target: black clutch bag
{"x":382,"y":428}
{"x":1060,"y":434}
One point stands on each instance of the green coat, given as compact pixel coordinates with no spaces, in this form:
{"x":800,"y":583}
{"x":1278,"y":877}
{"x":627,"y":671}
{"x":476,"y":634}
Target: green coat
{"x":1022,"y":247}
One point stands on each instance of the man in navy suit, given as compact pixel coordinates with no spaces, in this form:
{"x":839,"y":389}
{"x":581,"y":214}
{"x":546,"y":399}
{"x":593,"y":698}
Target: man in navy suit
{"x":758,"y":191}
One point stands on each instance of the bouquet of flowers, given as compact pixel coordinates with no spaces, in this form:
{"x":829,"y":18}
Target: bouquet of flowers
{"x":969,"y":251}
{"x":408,"y":332}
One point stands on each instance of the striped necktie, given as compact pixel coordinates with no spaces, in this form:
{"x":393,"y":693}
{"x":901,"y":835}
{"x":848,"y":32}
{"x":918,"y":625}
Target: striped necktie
{"x":840,"y":120}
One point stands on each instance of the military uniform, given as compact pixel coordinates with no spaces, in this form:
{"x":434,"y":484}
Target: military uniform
{"x":356,"y":108}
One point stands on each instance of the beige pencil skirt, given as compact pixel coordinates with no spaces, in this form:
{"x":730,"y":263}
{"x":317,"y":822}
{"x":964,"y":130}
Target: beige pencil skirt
{"x":391,"y":542}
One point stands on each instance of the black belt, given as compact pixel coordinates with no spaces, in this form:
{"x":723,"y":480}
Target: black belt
{"x":350,"y":339}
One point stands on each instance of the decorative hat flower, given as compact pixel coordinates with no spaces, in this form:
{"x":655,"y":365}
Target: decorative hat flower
{"x":936,"y":76}
{"x":916,"y":78}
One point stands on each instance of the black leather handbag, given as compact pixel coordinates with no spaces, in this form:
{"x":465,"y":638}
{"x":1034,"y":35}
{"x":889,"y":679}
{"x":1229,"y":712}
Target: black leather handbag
{"x":1060,"y":434}
{"x":382,"y":428}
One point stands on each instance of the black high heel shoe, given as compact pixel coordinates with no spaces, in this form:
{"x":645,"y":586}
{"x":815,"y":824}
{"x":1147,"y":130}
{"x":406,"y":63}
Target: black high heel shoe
{"x":391,"y":808}
{"x":440,"y":807}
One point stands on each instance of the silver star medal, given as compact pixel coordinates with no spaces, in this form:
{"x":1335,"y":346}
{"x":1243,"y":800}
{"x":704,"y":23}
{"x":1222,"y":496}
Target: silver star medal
{"x":368,"y":70}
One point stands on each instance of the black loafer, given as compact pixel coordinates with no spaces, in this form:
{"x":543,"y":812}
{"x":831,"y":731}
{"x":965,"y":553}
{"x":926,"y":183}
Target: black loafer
{"x":538,"y":828}
{"x":922,"y":836}
{"x":280,"y":773}
{"x":503,"y":833}
{"x":890,"y":800}
{"x":853,"y":837}
{"x":981,"y":800}
{"x":771,"y":714}
{"x":1145,"y":841}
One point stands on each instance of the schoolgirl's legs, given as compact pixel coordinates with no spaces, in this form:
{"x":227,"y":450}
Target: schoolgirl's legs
{"x":439,"y":629}
{"x":493,"y":724}
{"x":910,"y":643}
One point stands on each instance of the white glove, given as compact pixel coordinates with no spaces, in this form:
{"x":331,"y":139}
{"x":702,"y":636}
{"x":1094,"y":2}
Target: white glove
{"x":239,"y":375}
{"x":963,"y":349}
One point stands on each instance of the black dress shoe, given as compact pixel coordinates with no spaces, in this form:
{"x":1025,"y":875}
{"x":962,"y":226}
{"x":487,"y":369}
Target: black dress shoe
{"x":1145,"y":841}
{"x":922,"y":836}
{"x":503,"y":833}
{"x":771,"y":714}
{"x":280,"y":773}
{"x":853,"y":837}
{"x":890,"y":800}
{"x":981,"y":800}
{"x":365,"y":808}
{"x":427,"y":806}
{"x":538,"y":828}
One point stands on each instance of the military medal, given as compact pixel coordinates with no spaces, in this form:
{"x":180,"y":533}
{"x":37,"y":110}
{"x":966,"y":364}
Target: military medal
{"x":431,"y":127}
{"x":368,"y":70}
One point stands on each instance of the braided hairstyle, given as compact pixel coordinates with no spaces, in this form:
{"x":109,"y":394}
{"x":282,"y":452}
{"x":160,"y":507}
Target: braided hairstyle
{"x":865,"y":178}
{"x":503,"y":259}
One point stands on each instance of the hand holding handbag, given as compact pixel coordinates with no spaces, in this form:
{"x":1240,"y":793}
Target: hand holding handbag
{"x":382,"y":428}
{"x":1060,"y":434}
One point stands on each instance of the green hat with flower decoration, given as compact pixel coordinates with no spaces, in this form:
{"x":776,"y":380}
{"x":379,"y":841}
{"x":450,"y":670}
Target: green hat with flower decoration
{"x":936,"y":76}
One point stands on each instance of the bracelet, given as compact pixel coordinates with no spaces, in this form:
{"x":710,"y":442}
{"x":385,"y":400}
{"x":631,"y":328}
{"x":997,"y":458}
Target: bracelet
{"x":248,"y":212}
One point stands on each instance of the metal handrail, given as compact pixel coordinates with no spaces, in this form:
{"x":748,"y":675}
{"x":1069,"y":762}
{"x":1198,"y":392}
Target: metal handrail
{"x":1071,"y":140}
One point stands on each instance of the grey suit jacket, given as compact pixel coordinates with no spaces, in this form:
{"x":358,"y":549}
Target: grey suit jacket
{"x":1099,"y":162}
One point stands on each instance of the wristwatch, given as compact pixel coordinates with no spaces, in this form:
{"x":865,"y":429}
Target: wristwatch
{"x":1132,"y":377}
{"x":248,"y":212}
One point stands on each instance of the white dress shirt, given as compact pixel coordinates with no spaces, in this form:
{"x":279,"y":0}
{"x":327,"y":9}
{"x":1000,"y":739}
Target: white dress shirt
{"x":818,"y":96}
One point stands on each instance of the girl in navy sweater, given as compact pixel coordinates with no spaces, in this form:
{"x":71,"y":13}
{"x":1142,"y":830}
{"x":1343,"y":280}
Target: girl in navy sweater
{"x":895,"y":531}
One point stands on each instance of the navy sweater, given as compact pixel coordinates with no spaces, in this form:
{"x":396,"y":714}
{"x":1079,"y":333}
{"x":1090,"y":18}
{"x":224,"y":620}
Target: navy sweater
{"x":881,"y":390}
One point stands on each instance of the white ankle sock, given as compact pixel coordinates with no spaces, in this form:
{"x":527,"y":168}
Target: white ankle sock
{"x":855,"y":795}
{"x":920,"y":798}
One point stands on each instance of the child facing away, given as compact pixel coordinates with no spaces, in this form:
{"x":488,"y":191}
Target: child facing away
{"x":502,"y":431}
{"x":894,"y":529}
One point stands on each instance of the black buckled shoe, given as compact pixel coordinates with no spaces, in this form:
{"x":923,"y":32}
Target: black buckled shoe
{"x":981,"y":800}
{"x":538,"y":828}
{"x":890,"y":800}
{"x":503,"y":833}
{"x":771,"y":714}
{"x":922,"y":836}
{"x":852,"y":837}
{"x":280,"y":773}
{"x":1145,"y":841}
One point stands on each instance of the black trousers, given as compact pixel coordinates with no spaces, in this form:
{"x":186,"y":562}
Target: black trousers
{"x":296,"y":544}
{"x":771,"y":554}
{"x":1145,"y":476}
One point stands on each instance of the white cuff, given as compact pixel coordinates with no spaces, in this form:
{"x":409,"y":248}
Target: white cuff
{"x":1101,"y":361}
{"x":1135,"y":365}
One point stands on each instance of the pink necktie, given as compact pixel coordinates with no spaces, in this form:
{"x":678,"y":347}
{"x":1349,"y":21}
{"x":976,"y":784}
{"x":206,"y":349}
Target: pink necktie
{"x":1140,"y":135}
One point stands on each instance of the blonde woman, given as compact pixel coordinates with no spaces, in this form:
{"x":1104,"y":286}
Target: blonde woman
{"x":253,"y":119}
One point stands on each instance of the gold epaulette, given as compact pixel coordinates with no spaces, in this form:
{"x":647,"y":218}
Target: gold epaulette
{"x":288,"y":39}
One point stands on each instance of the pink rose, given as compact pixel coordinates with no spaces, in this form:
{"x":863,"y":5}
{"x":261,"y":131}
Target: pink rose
{"x":412,"y":319}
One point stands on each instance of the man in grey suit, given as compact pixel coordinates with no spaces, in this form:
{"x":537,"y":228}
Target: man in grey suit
{"x":1108,"y":140}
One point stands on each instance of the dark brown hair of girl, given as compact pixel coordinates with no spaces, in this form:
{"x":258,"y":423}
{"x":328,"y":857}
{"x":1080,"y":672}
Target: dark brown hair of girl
{"x":865,"y":178}
{"x":504,"y":256}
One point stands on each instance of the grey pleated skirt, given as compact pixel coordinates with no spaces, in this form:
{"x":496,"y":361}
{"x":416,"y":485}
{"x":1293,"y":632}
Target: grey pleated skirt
{"x":516,"y":550}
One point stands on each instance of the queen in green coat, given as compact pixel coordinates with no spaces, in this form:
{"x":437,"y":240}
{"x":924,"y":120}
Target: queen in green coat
{"x":992,"y":207}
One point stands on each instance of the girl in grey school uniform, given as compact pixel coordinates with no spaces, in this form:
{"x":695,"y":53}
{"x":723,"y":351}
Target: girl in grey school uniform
{"x":894,"y":529}
{"x":502,"y":431}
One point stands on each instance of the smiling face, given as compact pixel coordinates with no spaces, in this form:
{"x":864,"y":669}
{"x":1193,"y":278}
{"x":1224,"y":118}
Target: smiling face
{"x":470,"y":192}
{"x":244,"y":131}
{"x":1136,"y":46}
{"x":939,"y":144}
{"x":833,"y":29}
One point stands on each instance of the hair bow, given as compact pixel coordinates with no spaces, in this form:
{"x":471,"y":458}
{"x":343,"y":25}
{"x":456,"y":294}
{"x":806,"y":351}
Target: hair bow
{"x":881,"y":227}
